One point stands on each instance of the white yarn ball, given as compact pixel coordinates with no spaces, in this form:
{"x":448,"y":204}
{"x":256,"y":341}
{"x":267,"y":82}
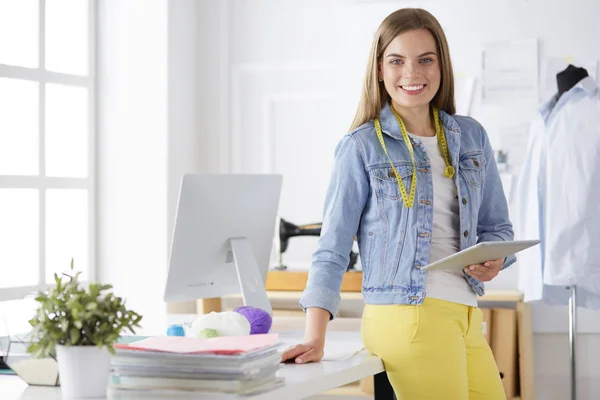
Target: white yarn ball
{"x":226,"y":323}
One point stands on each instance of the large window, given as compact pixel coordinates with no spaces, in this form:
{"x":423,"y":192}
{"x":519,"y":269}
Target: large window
{"x":46,"y":142}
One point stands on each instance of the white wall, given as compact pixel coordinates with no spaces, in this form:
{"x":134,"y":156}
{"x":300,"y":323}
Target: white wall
{"x":198,"y":85}
{"x":159,"y":99}
{"x":132,"y":151}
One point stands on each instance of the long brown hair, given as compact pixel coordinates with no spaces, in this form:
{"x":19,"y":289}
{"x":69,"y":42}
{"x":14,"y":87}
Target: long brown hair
{"x":374,"y":94}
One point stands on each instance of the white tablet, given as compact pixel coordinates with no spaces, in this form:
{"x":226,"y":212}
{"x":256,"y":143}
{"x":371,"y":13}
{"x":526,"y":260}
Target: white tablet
{"x":480,"y":253}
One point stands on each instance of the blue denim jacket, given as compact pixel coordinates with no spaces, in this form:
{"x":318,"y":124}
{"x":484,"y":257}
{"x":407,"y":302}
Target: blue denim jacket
{"x":363,"y":199}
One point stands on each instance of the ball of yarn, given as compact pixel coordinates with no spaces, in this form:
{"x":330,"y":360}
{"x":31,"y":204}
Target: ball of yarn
{"x":226,"y":323}
{"x":175,"y":330}
{"x":208,"y":333}
{"x":260,"y":320}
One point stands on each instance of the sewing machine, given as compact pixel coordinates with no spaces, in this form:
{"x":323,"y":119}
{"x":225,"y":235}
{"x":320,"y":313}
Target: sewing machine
{"x":288,"y":230}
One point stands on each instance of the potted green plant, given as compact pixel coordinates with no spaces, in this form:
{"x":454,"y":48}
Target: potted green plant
{"x":79,"y":326}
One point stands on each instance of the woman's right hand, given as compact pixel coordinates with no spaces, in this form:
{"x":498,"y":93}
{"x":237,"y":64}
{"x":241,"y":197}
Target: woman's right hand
{"x":314,"y":338}
{"x":309,"y":351}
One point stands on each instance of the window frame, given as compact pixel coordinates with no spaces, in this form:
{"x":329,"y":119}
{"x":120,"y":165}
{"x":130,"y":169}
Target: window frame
{"x":41,"y":182}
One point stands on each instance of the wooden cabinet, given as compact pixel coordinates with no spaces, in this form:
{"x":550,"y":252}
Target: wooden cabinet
{"x":296,"y":281}
{"x":512,"y":341}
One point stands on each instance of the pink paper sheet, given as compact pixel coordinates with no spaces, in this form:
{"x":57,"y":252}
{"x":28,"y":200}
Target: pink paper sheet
{"x":191,"y":345}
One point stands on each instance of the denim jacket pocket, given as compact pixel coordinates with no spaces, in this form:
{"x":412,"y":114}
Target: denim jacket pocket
{"x":472,"y":166}
{"x":386,"y":184}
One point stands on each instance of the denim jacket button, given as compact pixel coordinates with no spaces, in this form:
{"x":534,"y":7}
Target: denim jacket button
{"x":464,"y":201}
{"x":466,"y":233}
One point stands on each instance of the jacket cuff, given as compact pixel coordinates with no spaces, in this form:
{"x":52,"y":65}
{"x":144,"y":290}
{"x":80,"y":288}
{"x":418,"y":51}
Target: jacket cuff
{"x":321,"y":297}
{"x":510,"y":260}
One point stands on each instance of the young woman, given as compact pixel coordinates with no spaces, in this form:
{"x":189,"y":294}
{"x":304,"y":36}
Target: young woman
{"x":415,"y":183}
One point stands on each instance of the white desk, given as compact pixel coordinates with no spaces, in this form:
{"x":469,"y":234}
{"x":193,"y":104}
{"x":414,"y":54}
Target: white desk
{"x":301,"y":381}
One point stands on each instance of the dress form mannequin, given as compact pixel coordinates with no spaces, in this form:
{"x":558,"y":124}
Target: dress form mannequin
{"x":566,"y":79}
{"x":569,"y":77}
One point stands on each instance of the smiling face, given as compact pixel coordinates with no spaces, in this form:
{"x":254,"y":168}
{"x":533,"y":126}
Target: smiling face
{"x":410,"y":69}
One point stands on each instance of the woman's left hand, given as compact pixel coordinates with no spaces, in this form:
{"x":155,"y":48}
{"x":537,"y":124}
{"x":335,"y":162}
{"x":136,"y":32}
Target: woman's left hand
{"x":485,"y":272}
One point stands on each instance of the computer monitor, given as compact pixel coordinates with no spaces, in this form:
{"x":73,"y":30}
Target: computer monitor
{"x":224,"y":229}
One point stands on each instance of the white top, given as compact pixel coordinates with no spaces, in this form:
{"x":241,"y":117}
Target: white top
{"x":557,"y":197}
{"x":444,"y":285}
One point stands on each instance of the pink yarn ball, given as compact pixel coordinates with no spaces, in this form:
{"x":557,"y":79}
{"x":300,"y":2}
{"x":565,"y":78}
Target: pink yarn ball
{"x":260,"y":320}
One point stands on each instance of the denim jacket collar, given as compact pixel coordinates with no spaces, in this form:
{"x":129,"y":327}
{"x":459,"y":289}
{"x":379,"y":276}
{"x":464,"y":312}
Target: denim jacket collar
{"x":390,"y":127}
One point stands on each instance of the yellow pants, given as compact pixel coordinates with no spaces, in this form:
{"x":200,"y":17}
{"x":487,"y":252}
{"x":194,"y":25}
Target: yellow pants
{"x":433,"y":351}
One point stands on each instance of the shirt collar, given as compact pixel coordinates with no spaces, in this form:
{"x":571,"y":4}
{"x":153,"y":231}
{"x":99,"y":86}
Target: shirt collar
{"x":587,"y":85}
{"x":547,"y":107}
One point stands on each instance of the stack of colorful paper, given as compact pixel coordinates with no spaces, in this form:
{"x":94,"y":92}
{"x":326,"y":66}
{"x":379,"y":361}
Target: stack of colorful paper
{"x":168,"y":365}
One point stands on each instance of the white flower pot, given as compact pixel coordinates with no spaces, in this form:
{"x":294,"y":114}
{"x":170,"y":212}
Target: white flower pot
{"x":83,"y":371}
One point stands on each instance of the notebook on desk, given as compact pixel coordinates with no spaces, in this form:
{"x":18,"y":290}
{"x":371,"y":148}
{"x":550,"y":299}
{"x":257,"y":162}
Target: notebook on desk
{"x":225,"y":345}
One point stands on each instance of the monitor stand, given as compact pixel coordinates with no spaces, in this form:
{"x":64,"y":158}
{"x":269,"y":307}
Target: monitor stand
{"x":252,"y":286}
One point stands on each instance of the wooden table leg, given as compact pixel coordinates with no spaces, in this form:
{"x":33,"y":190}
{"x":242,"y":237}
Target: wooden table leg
{"x":206,"y":306}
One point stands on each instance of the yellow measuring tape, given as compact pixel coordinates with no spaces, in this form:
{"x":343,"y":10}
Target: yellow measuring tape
{"x":409,"y":198}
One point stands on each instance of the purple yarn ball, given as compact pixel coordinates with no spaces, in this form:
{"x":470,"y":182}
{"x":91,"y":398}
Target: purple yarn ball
{"x":260,"y":320}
